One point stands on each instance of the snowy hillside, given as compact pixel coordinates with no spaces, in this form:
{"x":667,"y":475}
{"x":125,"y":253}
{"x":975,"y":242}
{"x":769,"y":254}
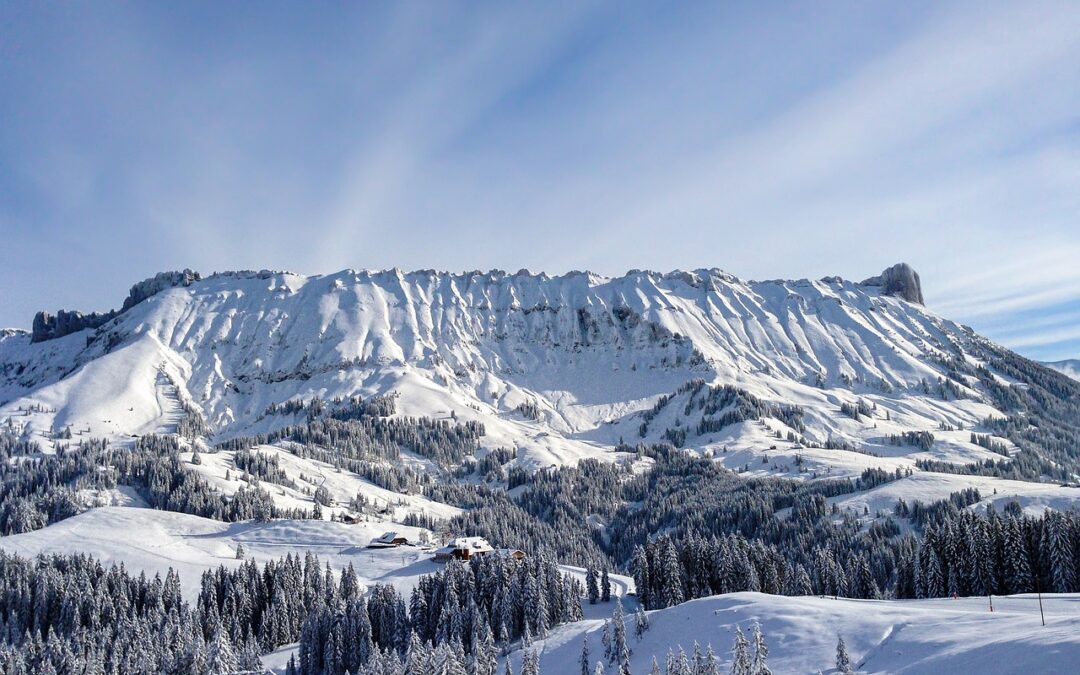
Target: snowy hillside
{"x":915,"y":636}
{"x":1070,"y":367}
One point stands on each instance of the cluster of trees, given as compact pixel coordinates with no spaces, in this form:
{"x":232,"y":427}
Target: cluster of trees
{"x":961,"y":553}
{"x":1043,"y":410}
{"x":262,"y":466}
{"x":680,"y":495}
{"x":857,"y":410}
{"x":667,"y":573}
{"x":40,"y":489}
{"x":349,"y":432}
{"x":923,"y":440}
{"x":68,"y":614}
{"x":718,"y":406}
{"x":748,"y":657}
{"x":967,"y":554}
{"x":465,"y":615}
{"x":63,"y":614}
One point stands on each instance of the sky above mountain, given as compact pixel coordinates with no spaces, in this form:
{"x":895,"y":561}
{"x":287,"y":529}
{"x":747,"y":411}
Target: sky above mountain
{"x":787,"y":140}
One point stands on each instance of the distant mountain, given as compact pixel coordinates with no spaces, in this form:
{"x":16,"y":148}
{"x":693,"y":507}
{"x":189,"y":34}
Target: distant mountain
{"x":558,"y":368}
{"x":1070,"y":367}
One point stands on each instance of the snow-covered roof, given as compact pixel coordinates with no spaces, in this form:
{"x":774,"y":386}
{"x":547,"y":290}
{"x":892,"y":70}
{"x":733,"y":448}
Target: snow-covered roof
{"x":472,"y":544}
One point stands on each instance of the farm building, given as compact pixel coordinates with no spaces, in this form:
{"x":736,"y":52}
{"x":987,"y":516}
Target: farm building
{"x":388,"y":540}
{"x":463,"y":548}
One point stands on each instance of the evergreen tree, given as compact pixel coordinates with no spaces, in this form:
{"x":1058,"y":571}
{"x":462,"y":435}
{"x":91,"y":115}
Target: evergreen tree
{"x":591,"y":585}
{"x":843,"y":661}
{"x":741,"y":662}
{"x":620,"y":647}
{"x":530,"y":663}
{"x":760,"y":665}
{"x":641,"y":622}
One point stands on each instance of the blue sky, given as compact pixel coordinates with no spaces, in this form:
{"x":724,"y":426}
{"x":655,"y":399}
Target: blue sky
{"x":768,"y":139}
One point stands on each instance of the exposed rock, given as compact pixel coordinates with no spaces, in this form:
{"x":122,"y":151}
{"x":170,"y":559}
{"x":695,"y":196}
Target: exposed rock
{"x":49,"y":327}
{"x":157,"y":283}
{"x":899,"y":280}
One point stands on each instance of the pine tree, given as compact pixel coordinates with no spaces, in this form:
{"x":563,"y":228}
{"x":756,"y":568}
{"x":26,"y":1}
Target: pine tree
{"x":741,"y":663}
{"x":221,"y":658}
{"x":530,"y":663}
{"x":584,"y":661}
{"x":1018,"y":576}
{"x":760,"y":664}
{"x":605,"y":639}
{"x":843,"y":661}
{"x":620,"y":648}
{"x":1057,"y":551}
{"x":641,"y":622}
{"x":591,"y":585}
{"x":605,"y":587}
{"x":712,"y":667}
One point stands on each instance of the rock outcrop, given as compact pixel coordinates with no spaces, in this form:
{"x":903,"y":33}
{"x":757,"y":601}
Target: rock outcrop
{"x":49,"y":327}
{"x":899,"y":280}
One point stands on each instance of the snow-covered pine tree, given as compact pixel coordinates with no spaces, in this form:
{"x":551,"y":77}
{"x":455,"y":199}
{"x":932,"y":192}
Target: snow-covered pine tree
{"x":620,"y":646}
{"x":641,"y":622}
{"x":843,"y":661}
{"x":605,"y":639}
{"x":760,"y":665}
{"x":584,"y":660}
{"x":741,"y":660}
{"x":530,"y":663}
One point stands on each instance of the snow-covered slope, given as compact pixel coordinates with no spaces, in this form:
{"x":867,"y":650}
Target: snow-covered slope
{"x":152,"y":541}
{"x":913,"y":636}
{"x":587,"y":351}
{"x":1070,"y":367}
{"x":557,"y":368}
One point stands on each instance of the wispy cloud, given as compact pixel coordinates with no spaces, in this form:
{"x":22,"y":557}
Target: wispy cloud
{"x":604,"y":136}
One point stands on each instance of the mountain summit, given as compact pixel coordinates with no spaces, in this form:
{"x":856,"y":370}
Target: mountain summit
{"x":899,"y":280}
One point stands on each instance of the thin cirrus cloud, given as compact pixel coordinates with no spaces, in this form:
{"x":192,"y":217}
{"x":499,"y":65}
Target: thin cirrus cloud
{"x":796,"y":140}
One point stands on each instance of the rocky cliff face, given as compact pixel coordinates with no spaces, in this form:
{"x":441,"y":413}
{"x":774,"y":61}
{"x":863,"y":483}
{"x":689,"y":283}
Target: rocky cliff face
{"x":48,"y":327}
{"x":65,"y":322}
{"x":901,"y":281}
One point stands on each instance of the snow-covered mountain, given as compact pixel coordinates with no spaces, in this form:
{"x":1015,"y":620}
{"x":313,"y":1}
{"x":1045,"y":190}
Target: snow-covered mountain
{"x":238,"y":414}
{"x":1070,"y":367}
{"x":559,"y":368}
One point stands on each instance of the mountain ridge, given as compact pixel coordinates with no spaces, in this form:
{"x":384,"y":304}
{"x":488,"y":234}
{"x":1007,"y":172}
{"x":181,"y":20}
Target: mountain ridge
{"x":562,"y":368}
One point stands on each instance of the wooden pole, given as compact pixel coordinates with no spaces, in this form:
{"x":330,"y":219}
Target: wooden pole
{"x":1039,"y":592}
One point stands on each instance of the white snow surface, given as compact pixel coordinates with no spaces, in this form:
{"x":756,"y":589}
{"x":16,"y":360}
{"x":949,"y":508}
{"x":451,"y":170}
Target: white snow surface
{"x":882,"y":636}
{"x":152,"y":541}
